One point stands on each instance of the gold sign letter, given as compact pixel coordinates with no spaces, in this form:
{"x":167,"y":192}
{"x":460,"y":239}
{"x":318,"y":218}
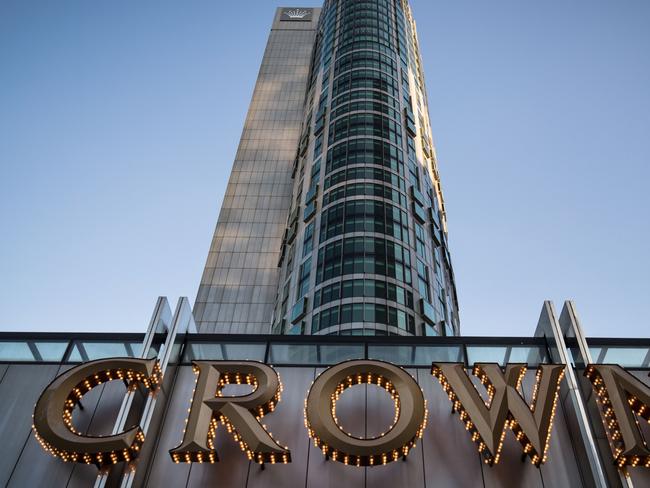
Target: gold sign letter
{"x":53,"y":412}
{"x":487,"y":422}
{"x":620,"y":396}
{"x":323,"y":427}
{"x":239,"y":414}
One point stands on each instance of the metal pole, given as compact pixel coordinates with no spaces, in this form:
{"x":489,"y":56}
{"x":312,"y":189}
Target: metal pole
{"x":175,"y":327}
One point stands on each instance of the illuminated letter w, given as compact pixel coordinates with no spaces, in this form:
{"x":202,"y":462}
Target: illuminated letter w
{"x":488,"y":421}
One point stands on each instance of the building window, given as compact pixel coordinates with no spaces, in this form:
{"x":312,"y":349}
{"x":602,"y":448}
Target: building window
{"x":303,"y":279}
{"x":365,"y":78}
{"x":414,"y":172}
{"x":365,"y":95}
{"x":365,"y":152}
{"x":423,"y":281}
{"x":365,"y":106}
{"x":365,"y":189}
{"x":370,"y":255}
{"x":315,"y":172}
{"x":363,"y":124}
{"x":285,"y":300}
{"x":364,"y":216}
{"x":290,"y":254}
{"x":366,"y":288}
{"x":365,"y":59}
{"x":308,"y":243}
{"x":365,"y":173}
{"x":318,"y":146}
{"x":374,"y":313}
{"x":420,"y":239}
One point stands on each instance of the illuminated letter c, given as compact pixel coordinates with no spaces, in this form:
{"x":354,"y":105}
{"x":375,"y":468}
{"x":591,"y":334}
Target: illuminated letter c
{"x":53,"y":412}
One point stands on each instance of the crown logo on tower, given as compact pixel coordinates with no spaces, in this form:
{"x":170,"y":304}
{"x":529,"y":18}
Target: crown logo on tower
{"x":296,"y":13}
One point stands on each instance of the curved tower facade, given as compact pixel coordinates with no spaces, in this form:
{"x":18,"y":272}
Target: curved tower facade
{"x":365,"y":249}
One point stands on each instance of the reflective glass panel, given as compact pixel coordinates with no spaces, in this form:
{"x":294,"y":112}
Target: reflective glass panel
{"x":293,"y":354}
{"x":532,"y":355}
{"x":446,"y":354}
{"x":629,"y":357}
{"x":416,"y":355}
{"x":90,"y":350}
{"x":333,"y":354}
{"x":15,"y":351}
{"x":51,"y":351}
{"x":314,"y":354}
{"x":393,"y":354}
{"x":32,"y":350}
{"x":230,"y":352}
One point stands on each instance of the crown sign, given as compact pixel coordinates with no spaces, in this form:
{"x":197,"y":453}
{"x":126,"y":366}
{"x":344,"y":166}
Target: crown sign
{"x":296,"y":13}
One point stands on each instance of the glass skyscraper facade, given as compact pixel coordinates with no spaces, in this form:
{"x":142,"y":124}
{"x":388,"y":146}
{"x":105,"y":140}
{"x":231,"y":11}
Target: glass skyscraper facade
{"x":365,"y":250}
{"x":335,"y":223}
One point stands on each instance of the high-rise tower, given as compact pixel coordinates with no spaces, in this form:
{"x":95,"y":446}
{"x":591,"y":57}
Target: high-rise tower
{"x":350,"y":237}
{"x":241,"y":276}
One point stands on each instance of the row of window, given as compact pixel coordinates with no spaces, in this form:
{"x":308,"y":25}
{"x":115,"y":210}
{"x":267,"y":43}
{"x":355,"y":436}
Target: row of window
{"x":378,"y":33}
{"x":364,"y":14}
{"x":357,"y":36}
{"x":362,"y":124}
{"x":358,"y":44}
{"x":364,"y":173}
{"x":363,"y":312}
{"x":371,"y":95}
{"x":363,"y":289}
{"x":354,"y":14}
{"x":371,"y":255}
{"x":367,"y":18}
{"x":351,"y":7}
{"x":366,"y":152}
{"x":364,"y":216}
{"x":363,"y":332}
{"x":366,"y":189}
{"x":365,"y":78}
{"x":366,"y":106}
{"x":385,"y":6}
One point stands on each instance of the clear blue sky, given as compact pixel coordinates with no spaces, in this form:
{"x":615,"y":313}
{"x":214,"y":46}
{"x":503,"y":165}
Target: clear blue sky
{"x":119,"y":122}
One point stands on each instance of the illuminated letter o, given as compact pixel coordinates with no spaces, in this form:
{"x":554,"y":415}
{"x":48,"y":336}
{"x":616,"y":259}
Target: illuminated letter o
{"x":321,"y":405}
